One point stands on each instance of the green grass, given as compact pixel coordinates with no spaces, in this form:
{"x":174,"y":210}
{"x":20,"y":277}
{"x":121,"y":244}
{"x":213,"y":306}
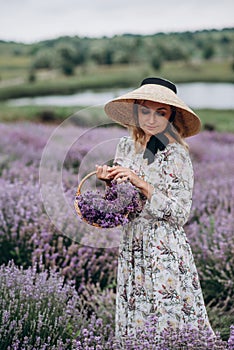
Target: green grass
{"x":220,"y":120}
{"x":12,"y":67}
{"x":9,"y":61}
{"x":206,"y":71}
{"x":33,"y":113}
{"x":103,"y":77}
{"x":82,"y":116}
{"x":93,"y":79}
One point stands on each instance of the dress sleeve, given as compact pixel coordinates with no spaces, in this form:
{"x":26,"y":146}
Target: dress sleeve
{"x":121,"y":152}
{"x":172,"y":195}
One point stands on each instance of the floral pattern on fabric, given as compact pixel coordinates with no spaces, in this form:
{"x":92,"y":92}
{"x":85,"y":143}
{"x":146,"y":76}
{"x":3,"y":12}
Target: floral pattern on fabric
{"x":156,"y":270}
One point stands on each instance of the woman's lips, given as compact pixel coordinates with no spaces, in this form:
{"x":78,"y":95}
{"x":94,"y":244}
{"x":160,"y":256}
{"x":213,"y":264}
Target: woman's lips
{"x":151,"y":127}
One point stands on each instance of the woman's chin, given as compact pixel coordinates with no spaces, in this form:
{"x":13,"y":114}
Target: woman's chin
{"x":151,"y":131}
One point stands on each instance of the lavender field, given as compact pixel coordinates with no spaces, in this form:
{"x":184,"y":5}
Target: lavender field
{"x":58,"y":274}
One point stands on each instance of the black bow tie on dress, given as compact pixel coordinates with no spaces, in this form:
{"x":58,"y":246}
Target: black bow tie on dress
{"x":155,"y":143}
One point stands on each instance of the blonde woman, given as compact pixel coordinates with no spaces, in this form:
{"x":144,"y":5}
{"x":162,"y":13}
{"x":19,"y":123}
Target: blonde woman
{"x":157,"y":275}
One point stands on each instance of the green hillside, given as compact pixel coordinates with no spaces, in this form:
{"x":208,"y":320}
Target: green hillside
{"x":68,"y":64}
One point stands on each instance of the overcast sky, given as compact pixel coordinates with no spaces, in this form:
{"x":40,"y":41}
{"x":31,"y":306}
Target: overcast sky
{"x":34,"y":20}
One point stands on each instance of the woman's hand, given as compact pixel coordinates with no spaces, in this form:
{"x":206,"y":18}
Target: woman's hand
{"x":126,"y":174}
{"x":102,"y":173}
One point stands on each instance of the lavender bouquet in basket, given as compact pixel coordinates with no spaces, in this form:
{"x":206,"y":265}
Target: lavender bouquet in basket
{"x":120,"y":203}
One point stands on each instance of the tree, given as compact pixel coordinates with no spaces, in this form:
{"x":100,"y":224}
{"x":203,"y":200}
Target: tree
{"x":173,"y":51}
{"x":32,"y":76}
{"x":43,"y":59}
{"x":156,"y":61}
{"x":208,"y":52}
{"x":233,"y":65}
{"x":66,"y":58}
{"x":108,"y":56}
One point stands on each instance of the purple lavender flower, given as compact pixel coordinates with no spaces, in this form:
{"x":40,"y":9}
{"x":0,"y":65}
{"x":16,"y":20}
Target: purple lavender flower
{"x":27,"y":235}
{"x":112,"y":208}
{"x":39,"y":310}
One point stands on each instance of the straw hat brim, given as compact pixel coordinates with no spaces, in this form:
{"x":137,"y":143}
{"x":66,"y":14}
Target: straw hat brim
{"x":120,"y":109}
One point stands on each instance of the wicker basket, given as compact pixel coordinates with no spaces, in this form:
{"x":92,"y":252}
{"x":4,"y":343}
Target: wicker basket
{"x":78,"y":192}
{"x":138,"y":205}
{"x":76,"y":203}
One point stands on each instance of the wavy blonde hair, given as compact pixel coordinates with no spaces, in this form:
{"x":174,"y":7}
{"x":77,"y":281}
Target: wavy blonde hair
{"x":139,"y":135}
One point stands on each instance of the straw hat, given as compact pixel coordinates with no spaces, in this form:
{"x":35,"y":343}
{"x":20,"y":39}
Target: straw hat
{"x":158,"y":90}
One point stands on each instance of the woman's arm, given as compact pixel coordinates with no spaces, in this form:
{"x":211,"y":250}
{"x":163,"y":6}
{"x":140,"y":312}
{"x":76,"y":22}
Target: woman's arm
{"x":171,"y":198}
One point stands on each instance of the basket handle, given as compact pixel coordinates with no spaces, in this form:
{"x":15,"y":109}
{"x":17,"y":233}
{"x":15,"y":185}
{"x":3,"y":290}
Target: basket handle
{"x":78,"y":192}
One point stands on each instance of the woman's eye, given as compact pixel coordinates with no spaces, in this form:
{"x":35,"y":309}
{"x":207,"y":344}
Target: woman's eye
{"x":160,"y":114}
{"x":144,"y":111}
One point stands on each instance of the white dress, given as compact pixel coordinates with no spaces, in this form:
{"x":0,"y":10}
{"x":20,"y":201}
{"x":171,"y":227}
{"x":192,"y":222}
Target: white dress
{"x":156,"y":270}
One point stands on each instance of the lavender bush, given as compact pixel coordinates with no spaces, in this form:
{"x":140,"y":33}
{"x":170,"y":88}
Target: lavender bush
{"x":37,"y":311}
{"x":26,"y":232}
{"x":28,"y":236}
{"x":40,"y":311}
{"x":211,"y":225}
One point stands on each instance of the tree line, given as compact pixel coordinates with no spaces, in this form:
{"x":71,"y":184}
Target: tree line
{"x":66,"y":53}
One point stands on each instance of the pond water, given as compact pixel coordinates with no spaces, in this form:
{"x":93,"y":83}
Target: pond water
{"x":196,"y":95}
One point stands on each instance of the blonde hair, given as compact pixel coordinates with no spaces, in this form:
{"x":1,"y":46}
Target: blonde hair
{"x":139,"y":136}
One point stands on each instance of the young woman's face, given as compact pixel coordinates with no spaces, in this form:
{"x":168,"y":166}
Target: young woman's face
{"x":153,"y":117}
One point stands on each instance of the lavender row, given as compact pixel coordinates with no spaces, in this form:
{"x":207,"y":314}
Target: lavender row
{"x":211,"y":225}
{"x":28,"y":235}
{"x":40,"y":311}
{"x":23,"y":218}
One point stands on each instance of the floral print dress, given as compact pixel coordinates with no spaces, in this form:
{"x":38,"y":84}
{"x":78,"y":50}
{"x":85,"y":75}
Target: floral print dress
{"x":157,"y":275}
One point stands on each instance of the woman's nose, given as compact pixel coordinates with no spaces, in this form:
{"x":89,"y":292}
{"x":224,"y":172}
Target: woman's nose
{"x":152,"y":117}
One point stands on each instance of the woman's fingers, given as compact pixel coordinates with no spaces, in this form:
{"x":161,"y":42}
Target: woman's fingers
{"x":99,"y":170}
{"x":115,"y":170}
{"x":102,"y":172}
{"x":121,"y":173}
{"x":117,"y":173}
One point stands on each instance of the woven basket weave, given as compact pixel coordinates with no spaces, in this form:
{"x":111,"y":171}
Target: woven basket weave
{"x":78,"y":192}
{"x":76,"y":203}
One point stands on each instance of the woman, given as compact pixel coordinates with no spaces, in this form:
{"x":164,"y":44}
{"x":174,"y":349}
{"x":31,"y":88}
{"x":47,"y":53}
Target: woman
{"x":156,"y":270}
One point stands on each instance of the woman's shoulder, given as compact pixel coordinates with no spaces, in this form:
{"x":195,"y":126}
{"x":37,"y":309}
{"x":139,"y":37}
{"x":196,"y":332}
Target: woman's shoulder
{"x":126,"y":139}
{"x":176,"y":147}
{"x":123,"y":151}
{"x":177,"y":151}
{"x":125,"y":143}
{"x":175,"y":159}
